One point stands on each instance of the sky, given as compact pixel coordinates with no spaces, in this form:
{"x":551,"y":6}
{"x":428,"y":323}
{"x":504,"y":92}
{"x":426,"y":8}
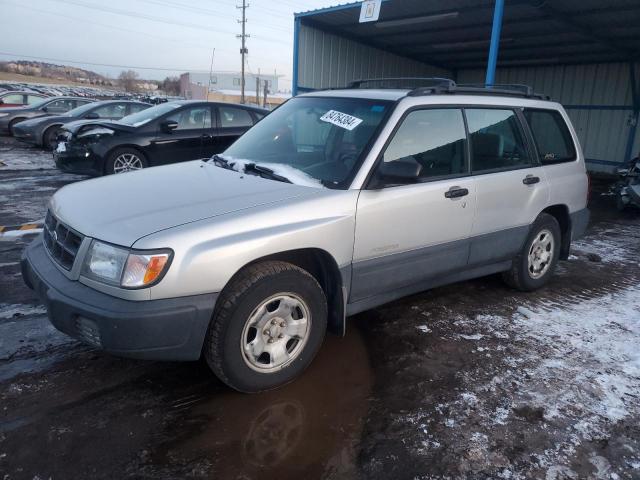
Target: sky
{"x":168,"y":37}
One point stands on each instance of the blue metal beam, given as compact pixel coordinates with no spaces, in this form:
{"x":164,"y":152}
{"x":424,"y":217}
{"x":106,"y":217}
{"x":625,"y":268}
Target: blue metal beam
{"x":296,"y":40}
{"x":498,"y":12}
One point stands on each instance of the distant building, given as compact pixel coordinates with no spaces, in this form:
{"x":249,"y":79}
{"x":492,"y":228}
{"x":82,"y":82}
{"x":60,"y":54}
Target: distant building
{"x":202,"y":86}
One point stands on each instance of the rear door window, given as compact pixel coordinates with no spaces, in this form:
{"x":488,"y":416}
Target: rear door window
{"x":551,"y":135}
{"x":234,"y":117}
{"x":497,"y":141}
{"x":192,"y":118}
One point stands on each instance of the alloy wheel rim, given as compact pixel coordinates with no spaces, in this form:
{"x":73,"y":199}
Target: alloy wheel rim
{"x":540,"y":254}
{"x":127,"y":162}
{"x":275,"y":333}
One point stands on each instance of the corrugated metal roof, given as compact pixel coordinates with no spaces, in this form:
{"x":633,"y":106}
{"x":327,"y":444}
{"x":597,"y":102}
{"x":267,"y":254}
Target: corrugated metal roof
{"x":454,"y":34}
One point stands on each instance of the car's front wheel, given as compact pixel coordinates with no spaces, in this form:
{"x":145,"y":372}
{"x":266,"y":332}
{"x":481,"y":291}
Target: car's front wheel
{"x":268,"y":326}
{"x":13,"y":123}
{"x":50,"y":137}
{"x":535,"y":264}
{"x":124,"y":160}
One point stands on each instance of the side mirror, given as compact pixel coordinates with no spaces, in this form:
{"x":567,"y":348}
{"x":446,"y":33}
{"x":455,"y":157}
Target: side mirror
{"x":92,"y":116}
{"x":168,"y":126}
{"x":404,"y":169}
{"x":45,"y":109}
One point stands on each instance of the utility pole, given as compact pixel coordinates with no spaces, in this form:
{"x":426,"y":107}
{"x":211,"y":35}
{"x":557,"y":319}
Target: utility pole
{"x":213,"y":53}
{"x":266,"y":90}
{"x":257,"y":90}
{"x":243,"y":49}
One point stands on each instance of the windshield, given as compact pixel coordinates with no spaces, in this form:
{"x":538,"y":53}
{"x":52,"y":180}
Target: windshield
{"x":145,"y":116}
{"x":78,"y":111}
{"x":322,"y":137}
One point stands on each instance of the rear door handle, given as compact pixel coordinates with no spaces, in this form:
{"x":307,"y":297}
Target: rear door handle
{"x":530,"y":180}
{"x":456,"y":192}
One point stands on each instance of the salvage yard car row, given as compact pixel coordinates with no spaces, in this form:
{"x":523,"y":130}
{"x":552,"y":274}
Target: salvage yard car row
{"x":115,"y":136}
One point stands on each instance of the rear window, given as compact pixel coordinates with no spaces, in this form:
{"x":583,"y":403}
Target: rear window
{"x":551,"y":135}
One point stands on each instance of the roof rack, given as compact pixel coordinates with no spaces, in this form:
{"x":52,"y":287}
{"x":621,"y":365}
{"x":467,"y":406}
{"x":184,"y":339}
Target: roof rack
{"x":502,"y":90}
{"x":397,"y":82}
{"x":444,"y":86}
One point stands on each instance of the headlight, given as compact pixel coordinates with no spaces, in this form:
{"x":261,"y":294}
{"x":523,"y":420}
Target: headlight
{"x":123,"y":267}
{"x":4,"y":115}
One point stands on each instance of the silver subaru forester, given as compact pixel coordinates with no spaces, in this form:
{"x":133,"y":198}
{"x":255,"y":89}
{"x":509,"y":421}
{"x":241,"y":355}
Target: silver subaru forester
{"x":335,"y":203}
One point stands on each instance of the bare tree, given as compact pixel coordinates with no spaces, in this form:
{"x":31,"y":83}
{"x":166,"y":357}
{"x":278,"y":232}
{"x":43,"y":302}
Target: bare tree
{"x":171,"y":85}
{"x":127,"y":79}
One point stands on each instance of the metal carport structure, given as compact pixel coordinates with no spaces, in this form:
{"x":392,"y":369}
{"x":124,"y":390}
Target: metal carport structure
{"x":583,"y":53}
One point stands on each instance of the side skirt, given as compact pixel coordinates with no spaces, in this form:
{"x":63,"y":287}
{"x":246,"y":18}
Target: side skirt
{"x":377,"y":300}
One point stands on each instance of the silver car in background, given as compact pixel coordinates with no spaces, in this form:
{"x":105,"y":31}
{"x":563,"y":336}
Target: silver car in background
{"x":335,"y":203}
{"x":10,"y":117}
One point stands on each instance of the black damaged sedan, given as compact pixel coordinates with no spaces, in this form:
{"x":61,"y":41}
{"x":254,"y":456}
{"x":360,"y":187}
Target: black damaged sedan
{"x":167,"y":133}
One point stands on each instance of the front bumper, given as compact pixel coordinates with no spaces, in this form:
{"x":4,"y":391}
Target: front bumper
{"x":78,"y":159}
{"x":24,"y":135}
{"x":166,"y":329}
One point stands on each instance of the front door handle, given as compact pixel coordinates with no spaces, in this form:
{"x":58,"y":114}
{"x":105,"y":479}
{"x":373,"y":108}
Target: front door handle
{"x":456,"y":192}
{"x":530,"y":180}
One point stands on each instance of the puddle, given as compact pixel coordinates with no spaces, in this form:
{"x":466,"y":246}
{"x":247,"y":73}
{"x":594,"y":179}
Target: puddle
{"x":177,"y":420}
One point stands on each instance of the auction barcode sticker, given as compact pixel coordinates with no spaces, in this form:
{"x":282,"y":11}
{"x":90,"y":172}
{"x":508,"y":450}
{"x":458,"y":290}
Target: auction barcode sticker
{"x":341,"y":120}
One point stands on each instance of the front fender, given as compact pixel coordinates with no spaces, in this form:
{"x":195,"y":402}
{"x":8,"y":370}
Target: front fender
{"x":208,"y":253}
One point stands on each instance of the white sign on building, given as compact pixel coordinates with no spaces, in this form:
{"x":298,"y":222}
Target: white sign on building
{"x":370,"y":11}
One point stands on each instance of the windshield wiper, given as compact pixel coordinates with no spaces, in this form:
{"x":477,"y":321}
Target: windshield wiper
{"x":265,"y":172}
{"x":220,"y":161}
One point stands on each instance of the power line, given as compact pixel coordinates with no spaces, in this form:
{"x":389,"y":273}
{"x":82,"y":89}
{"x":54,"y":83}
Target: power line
{"x":213,"y":13}
{"x":152,"y":18}
{"x":79,"y":19}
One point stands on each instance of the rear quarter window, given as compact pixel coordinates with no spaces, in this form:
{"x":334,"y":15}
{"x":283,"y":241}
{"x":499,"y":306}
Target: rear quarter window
{"x":551,"y":135}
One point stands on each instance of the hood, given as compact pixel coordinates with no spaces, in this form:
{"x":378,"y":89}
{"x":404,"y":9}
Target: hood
{"x":78,"y":126}
{"x":123,"y":208}
{"x":34,"y":122}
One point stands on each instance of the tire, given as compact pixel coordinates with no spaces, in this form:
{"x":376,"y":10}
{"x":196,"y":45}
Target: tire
{"x":269,"y":294}
{"x":50,"y":136}
{"x":528,"y":275}
{"x":118,"y":159}
{"x":12,"y":124}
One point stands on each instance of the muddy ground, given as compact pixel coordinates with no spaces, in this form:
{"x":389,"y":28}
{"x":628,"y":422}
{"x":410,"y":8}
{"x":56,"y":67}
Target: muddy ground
{"x":473,"y":380}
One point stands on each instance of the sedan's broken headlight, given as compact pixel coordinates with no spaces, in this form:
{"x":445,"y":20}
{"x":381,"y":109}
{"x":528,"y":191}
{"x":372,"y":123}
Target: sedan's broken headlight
{"x":125,"y":268}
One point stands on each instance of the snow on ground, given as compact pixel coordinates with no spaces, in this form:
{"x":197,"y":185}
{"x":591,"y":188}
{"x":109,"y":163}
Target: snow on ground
{"x":12,"y":158}
{"x":607,"y":244}
{"x":572,"y":370}
{"x":19,"y":233}
{"x":27,"y":338}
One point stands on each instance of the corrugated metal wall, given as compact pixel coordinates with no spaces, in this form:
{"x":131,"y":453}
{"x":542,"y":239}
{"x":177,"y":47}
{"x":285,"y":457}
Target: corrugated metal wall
{"x":591,"y":94}
{"x":327,"y":60}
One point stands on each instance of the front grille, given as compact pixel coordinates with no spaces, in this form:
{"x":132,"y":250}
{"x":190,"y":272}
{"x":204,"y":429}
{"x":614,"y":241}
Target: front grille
{"x":61,"y":242}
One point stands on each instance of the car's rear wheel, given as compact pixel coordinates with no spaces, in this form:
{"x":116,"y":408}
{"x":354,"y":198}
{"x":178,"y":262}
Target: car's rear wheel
{"x":50,"y":137}
{"x":12,"y":124}
{"x":268,"y":326}
{"x":535,"y":264}
{"x":125,"y":160}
